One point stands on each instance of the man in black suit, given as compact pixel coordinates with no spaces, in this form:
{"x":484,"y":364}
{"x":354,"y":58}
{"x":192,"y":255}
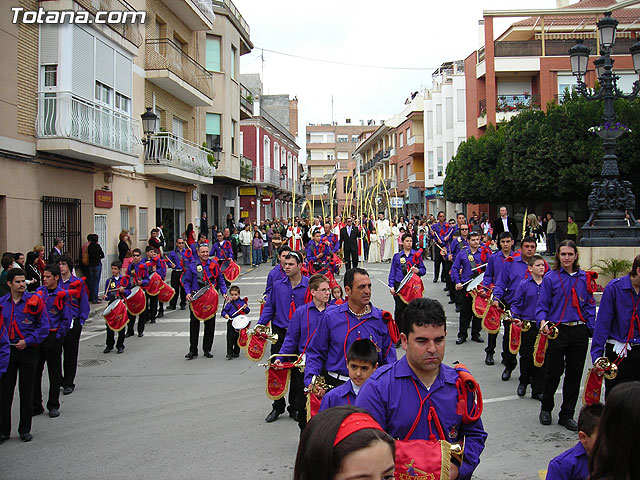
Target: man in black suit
{"x":56,"y":251}
{"x":349,"y":243}
{"x":504,"y":223}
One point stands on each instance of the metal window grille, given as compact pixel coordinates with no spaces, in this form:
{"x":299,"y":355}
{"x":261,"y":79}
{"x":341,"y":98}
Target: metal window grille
{"x":61,"y":218}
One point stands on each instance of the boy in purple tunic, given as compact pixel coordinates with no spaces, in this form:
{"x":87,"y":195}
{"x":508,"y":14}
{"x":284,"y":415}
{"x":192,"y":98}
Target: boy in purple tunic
{"x":574,"y":463}
{"x":362,"y":361}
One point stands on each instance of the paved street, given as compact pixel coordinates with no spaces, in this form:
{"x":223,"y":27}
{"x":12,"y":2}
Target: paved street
{"x":149,"y":413}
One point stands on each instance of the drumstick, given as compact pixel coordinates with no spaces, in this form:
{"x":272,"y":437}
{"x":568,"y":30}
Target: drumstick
{"x":173,"y":265}
{"x":384,"y":284}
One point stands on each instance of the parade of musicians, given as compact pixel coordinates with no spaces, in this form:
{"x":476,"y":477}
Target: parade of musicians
{"x":450,"y":291}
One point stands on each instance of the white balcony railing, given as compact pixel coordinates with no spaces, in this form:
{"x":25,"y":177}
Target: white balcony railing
{"x":173,"y":151}
{"x":65,"y":115}
{"x":319,"y":189}
{"x":267,"y":175}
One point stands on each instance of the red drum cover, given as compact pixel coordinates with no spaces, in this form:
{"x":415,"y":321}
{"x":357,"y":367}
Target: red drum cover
{"x":230,"y":270}
{"x":412,"y":289}
{"x":166,"y":293}
{"x":422,"y":459}
{"x":116,"y":315}
{"x":243,"y":338}
{"x":480,"y":303}
{"x":155,"y":284}
{"x":204,"y":304}
{"x":136,"y":301}
{"x":540,"y":349}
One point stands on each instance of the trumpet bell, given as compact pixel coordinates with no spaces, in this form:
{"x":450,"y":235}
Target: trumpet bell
{"x":612,"y":372}
{"x":554,"y":333}
{"x":526,"y":325}
{"x":457,"y":451}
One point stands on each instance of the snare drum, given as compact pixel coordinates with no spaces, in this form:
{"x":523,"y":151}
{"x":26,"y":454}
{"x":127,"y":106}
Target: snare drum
{"x":204,"y":303}
{"x":116,"y":315}
{"x":136,"y":301}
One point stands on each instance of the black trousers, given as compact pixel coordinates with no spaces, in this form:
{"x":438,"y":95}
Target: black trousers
{"x":438,"y":260}
{"x":194,"y":333}
{"x":566,"y":354}
{"x":177,"y":286}
{"x":628,"y":369}
{"x":296,"y":377}
{"x":301,"y":399}
{"x":529,"y":373}
{"x":23,"y":362}
{"x":152,"y":308}
{"x":509,"y":360}
{"x":50,"y":351}
{"x":351,"y":259}
{"x":232,"y":340}
{"x":399,"y":311}
{"x":446,"y":265}
{"x":70,"y":348}
{"x":467,"y":317}
{"x":142,"y":319}
{"x":111,"y":338}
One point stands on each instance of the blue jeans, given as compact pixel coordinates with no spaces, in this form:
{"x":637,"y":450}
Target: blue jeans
{"x":94,"y":282}
{"x":257,"y":256}
{"x":551,"y":243}
{"x":265,"y":253}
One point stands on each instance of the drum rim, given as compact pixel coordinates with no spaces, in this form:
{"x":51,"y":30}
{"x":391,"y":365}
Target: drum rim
{"x":110,"y":308}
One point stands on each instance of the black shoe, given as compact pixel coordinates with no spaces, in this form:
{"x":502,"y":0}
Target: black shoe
{"x":54,"y":412}
{"x":488,"y":360}
{"x":477,"y":339}
{"x":451,"y":301}
{"x":107,"y":350}
{"x":37,"y":411}
{"x":460,"y":340}
{"x":208,"y":354}
{"x":120,"y":349}
{"x":141,"y":334}
{"x":190,"y":355}
{"x":228,"y":357}
{"x":445,"y":289}
{"x":236,"y":355}
{"x":160,"y":315}
{"x":183,"y":307}
{"x":153,"y":321}
{"x":67,"y":390}
{"x":273,"y":416}
{"x":4,"y":438}
{"x":294,"y":415}
{"x":568,"y":423}
{"x":26,"y":437}
{"x":435,"y":280}
{"x":506,"y":375}
{"x":537,"y":396}
{"x":129,"y":334}
{"x":458,"y":309}
{"x":171,"y":308}
{"x":545,"y":417}
{"x":522,"y":389}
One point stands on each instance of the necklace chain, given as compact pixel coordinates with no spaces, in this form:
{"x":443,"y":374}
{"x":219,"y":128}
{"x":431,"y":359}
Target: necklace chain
{"x":358,"y":315}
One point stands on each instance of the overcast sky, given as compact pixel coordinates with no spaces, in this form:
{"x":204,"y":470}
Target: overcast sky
{"x":398,"y":33}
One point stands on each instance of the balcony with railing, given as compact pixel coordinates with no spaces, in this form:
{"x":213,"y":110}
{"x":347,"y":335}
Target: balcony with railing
{"x":196,"y":14}
{"x":130,"y":31}
{"x":174,"y":158}
{"x":170,"y":68}
{"x":416,"y":179}
{"x":507,"y":106}
{"x":267,"y":176}
{"x":236,"y":18}
{"x":74,"y":127}
{"x":246,"y":169}
{"x":246,"y":103}
{"x":554,"y":47}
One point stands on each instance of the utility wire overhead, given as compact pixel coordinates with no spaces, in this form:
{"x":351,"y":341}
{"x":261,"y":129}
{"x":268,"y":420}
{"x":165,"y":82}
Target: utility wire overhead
{"x":359,"y":65}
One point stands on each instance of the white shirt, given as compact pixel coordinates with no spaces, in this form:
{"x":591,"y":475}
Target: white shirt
{"x":506,"y":225}
{"x":356,"y":389}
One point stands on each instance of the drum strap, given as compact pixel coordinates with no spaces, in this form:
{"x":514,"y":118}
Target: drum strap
{"x":432,"y":417}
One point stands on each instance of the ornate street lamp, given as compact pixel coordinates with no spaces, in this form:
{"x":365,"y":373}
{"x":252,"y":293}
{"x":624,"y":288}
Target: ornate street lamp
{"x":610,"y":198}
{"x":283,"y":171}
{"x":149,"y":124}
{"x":217,"y":150}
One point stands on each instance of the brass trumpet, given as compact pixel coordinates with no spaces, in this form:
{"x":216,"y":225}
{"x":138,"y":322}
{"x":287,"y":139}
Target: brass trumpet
{"x":553,"y":333}
{"x":320,"y":382}
{"x":299,"y":363}
{"x":266,"y":331}
{"x":457,"y":451}
{"x":610,"y":370}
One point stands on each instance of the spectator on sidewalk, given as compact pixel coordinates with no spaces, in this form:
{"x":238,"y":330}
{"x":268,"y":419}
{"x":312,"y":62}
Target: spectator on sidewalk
{"x":572,"y":229}
{"x":245,"y":237}
{"x":551,"y":234}
{"x":94,"y":250}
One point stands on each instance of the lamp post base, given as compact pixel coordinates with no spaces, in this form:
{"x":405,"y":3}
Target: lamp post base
{"x":610,"y":229}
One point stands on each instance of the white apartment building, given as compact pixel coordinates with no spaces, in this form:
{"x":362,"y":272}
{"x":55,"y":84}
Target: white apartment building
{"x":444,"y":131}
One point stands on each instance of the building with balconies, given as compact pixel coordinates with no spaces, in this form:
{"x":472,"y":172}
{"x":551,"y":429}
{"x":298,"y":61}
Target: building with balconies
{"x":528,"y":66}
{"x":409,"y":159}
{"x":270,"y":151}
{"x":329,"y":161}
{"x":444,"y":131}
